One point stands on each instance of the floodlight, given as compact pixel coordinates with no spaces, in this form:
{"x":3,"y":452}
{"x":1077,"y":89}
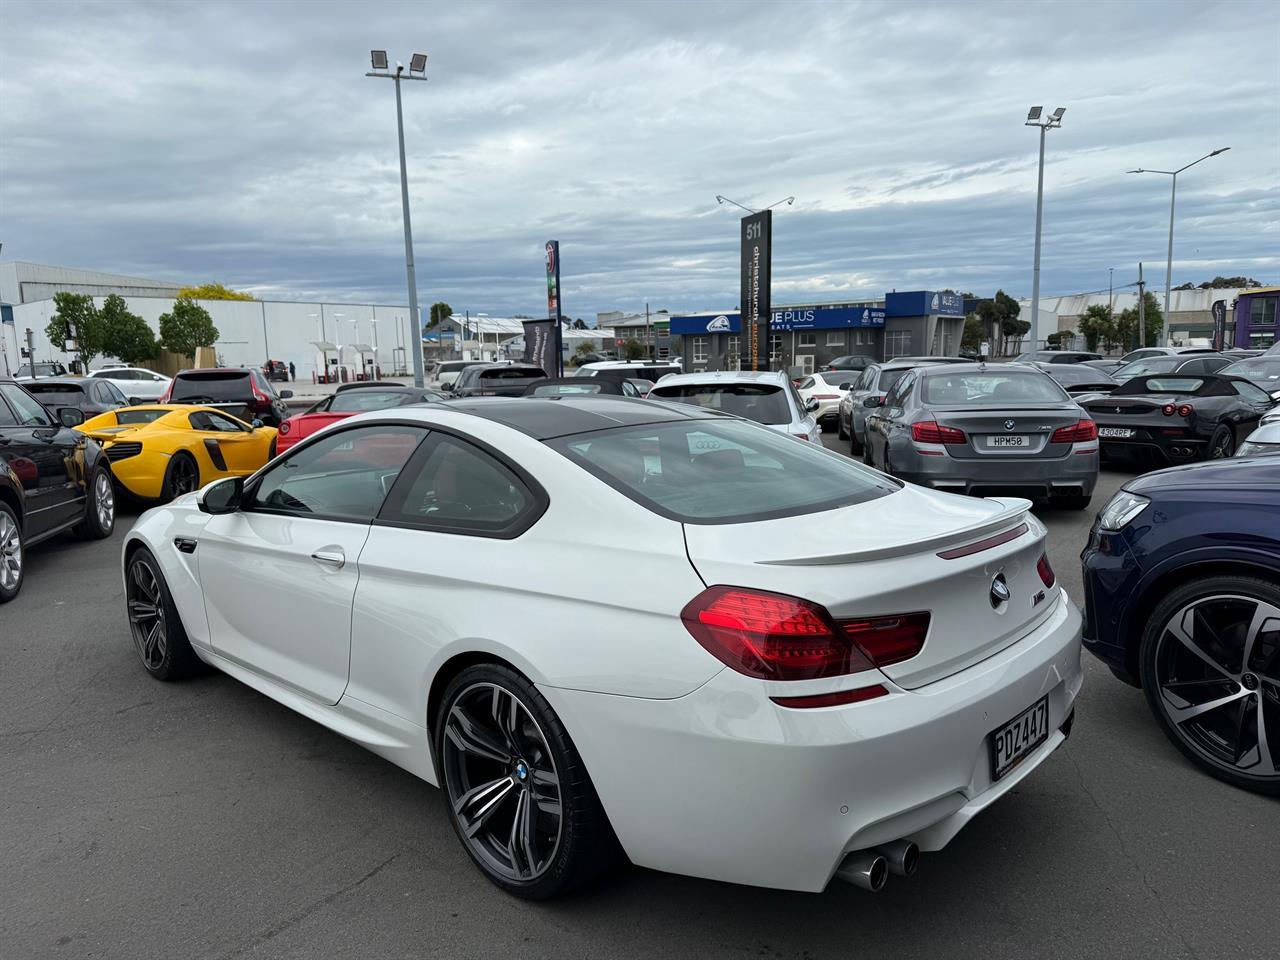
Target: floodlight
{"x":1219,"y":150}
{"x":418,"y":63}
{"x":1034,"y":113}
{"x":379,"y":58}
{"x":1057,"y":114}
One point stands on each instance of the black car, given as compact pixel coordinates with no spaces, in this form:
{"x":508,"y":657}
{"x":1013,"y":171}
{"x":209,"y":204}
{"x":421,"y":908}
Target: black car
{"x":583,"y":386}
{"x":1079,"y":378}
{"x":855,"y":361}
{"x":91,"y":396}
{"x":1171,"y":419}
{"x":45,"y":369}
{"x":497,"y":380}
{"x":52,"y":478}
{"x":246,"y":394}
{"x":374,"y":395}
{"x":1057,"y":356}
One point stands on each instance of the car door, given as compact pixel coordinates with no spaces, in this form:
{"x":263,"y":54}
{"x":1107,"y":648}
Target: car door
{"x":888,"y":417}
{"x":1257,"y":404}
{"x":279,"y":575}
{"x":52,"y":458}
{"x":233,"y":447}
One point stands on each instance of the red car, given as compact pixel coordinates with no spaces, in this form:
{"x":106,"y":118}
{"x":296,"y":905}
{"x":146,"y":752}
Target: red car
{"x":350,"y":399}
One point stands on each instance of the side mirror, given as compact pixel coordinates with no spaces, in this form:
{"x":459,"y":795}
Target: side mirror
{"x":811,"y":405}
{"x":871,"y":402}
{"x":286,"y":394}
{"x":256,"y":423}
{"x":221,"y":496}
{"x":134,"y":401}
{"x":70,"y":416}
{"x":847,"y":385}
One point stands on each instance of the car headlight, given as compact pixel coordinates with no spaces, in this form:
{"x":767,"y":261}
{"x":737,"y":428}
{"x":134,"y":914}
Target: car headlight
{"x":1248,"y":449}
{"x":1122,"y":509}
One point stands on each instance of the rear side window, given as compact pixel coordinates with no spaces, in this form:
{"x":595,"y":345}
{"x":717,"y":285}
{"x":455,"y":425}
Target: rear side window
{"x":889,"y":378}
{"x":721,"y":471}
{"x":212,"y":388}
{"x":763,"y":403}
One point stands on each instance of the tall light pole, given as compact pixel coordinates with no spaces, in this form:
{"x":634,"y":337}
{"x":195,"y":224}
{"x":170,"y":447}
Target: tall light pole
{"x":1033,"y":120}
{"x":417,"y":71}
{"x":1173,"y":196}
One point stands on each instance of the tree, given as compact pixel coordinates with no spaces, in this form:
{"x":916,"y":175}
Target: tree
{"x":973,"y":333}
{"x":633,"y":349}
{"x":214,"y":291}
{"x":1127,"y":323}
{"x":76,"y":319}
{"x":439,"y":311}
{"x":126,"y":335}
{"x":1097,"y":325}
{"x":187,"y":327}
{"x":1221,"y":283}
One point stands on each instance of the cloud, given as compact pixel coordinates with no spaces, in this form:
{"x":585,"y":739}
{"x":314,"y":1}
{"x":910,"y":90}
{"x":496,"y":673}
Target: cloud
{"x":242,"y":143}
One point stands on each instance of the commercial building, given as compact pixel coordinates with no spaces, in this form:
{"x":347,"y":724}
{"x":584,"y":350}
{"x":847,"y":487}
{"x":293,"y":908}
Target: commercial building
{"x":651,"y":330}
{"x":1256,"y":320}
{"x":1190,"y":311}
{"x":806,"y":336}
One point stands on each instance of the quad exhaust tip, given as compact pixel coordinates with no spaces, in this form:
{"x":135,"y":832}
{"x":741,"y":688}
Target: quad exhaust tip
{"x":870,"y":869}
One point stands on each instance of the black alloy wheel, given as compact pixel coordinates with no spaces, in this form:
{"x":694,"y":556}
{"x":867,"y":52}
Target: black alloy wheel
{"x":158,"y":635}
{"x":1221,"y":445}
{"x":183,"y":476}
{"x":1211,"y":672}
{"x":515,"y":788}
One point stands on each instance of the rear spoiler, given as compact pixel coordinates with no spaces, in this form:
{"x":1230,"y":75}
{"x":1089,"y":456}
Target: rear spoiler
{"x":1013,"y":511}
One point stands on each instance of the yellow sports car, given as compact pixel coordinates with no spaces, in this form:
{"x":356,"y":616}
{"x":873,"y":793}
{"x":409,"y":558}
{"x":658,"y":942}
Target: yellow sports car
{"x":158,"y":451}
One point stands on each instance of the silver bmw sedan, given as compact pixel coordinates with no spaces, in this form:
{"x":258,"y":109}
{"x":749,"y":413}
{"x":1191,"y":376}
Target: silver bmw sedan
{"x":983,"y":429}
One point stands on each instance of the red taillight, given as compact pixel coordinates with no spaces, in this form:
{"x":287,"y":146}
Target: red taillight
{"x":836,"y":699}
{"x":285,"y":428}
{"x":168,"y":392}
{"x":770,"y":636}
{"x":930,"y":431}
{"x":258,"y":394}
{"x":1185,"y":410}
{"x":1082,"y":432}
{"x":889,"y":640}
{"x":1045,"y":571}
{"x":1168,"y":409}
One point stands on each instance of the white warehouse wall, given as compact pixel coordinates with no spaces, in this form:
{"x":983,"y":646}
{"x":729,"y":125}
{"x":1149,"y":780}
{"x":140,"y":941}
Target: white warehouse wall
{"x":251,"y":332}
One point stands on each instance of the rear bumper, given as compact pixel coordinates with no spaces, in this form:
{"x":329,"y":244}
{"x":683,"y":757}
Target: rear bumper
{"x":724,"y":784}
{"x":1155,"y":451}
{"x":1074,"y":474}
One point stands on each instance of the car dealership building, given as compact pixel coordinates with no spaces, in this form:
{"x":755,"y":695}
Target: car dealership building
{"x":806,"y":336}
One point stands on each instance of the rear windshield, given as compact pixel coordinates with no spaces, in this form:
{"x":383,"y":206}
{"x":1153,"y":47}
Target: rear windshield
{"x":722,"y":471}
{"x":52,"y":394}
{"x":761,"y":402}
{"x":212,"y":387}
{"x":453,"y":366}
{"x":1074,"y":373}
{"x":991,"y":388}
{"x":1150,"y":365}
{"x":357,"y":401}
{"x":511,"y":373}
{"x":124,"y":417}
{"x":565,"y":389}
{"x":1162,"y":385}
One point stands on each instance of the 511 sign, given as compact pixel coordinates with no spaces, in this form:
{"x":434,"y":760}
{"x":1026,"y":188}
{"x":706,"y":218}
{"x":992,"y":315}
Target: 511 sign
{"x":757,"y":236}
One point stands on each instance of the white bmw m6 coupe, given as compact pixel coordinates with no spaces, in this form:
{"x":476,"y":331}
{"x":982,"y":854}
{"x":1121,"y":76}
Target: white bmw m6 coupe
{"x":609,"y":627}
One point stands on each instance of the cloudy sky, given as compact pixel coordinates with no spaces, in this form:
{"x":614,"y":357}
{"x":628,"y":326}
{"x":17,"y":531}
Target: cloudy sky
{"x":241,"y":142}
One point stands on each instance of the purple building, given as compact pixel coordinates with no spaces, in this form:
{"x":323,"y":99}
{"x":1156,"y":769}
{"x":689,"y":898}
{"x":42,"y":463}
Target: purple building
{"x":1255,"y":318}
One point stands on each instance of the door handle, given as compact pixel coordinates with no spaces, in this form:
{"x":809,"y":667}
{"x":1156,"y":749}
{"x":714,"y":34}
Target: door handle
{"x":333,"y":557}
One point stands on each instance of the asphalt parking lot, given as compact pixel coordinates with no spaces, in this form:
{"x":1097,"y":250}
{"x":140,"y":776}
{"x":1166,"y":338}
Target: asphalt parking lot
{"x":202,"y":820}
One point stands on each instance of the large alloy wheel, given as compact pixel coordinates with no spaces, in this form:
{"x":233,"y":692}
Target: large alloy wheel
{"x":10,"y":554}
{"x":183,"y":476}
{"x":158,"y":635}
{"x":515,"y":788}
{"x":1221,"y":444}
{"x":1211,"y":671}
{"x":100,"y":512}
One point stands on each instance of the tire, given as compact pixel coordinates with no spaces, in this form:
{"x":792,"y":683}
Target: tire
{"x":1221,"y":445}
{"x":159,"y":638}
{"x":1192,"y":654}
{"x":181,"y":476}
{"x":855,"y":442}
{"x":841,"y":431}
{"x":271,"y":450}
{"x":526,"y":760}
{"x":1077,"y":501}
{"x":99,"y":509}
{"x":12,"y":568}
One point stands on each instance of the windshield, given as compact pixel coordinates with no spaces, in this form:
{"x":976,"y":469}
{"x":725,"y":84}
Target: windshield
{"x":761,"y":402}
{"x":215,"y":387}
{"x":565,"y":389}
{"x":358,"y":401}
{"x":722,"y":471}
{"x":990,"y":388}
{"x":1260,"y":370}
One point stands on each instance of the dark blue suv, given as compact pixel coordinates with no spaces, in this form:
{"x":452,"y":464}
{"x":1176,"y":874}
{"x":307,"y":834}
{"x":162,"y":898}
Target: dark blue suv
{"x":1182,"y":598}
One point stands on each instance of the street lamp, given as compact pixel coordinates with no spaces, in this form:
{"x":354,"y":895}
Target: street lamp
{"x":417,"y":71}
{"x":1173,"y":195}
{"x":1034,"y":120}
{"x":787,"y":200}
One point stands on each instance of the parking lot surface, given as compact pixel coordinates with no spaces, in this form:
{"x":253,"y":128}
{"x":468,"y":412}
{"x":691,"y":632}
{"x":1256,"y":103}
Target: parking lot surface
{"x":202,"y":820}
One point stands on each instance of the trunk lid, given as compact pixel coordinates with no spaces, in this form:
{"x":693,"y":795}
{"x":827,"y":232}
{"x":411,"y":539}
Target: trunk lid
{"x":865,"y":560}
{"x":1020,"y":431}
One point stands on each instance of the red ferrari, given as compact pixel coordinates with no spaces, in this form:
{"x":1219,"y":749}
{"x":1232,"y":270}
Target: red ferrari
{"x":350,"y":399}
